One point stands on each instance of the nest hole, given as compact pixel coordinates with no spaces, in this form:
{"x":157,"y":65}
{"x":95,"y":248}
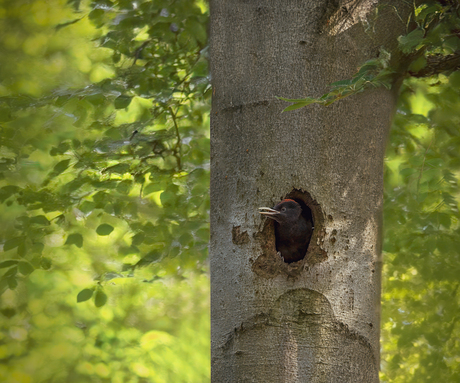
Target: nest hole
{"x":269,"y":263}
{"x":315,"y":253}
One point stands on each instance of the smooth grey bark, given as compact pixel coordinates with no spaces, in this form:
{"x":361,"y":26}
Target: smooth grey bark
{"x":316,"y":320}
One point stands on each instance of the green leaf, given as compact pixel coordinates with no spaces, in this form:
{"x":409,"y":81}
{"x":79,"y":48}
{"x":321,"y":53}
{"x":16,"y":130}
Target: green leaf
{"x":96,"y":14}
{"x":22,"y":249}
{"x":368,"y":66}
{"x":152,"y":187}
{"x":11,"y":272}
{"x":60,"y":149}
{"x":40,"y":220}
{"x":293,"y":99}
{"x":37,"y":247}
{"x":124,"y":187}
{"x":12,"y":243}
{"x":63,"y":25}
{"x":8,"y":312}
{"x":295,"y":106}
{"x":408,"y":42}
{"x":84,"y":295}
{"x":341,"y":83}
{"x":168,"y":198}
{"x":407,"y":172}
{"x":137,"y":239}
{"x":454,"y":79}
{"x":444,"y":219}
{"x":45,"y":263}
{"x":97,"y":99}
{"x":299,"y":103}
{"x":87,"y":207}
{"x":418,"y":64}
{"x":75,"y":239}
{"x":104,"y":229}
{"x":428,"y":11}
{"x":186,"y":239}
{"x":122,"y":102}
{"x":60,"y":167}
{"x":25,"y":268}
{"x":202,"y":235}
{"x":153,"y":257}
{"x":8,"y":191}
{"x":12,"y":283}
{"x":8,"y":263}
{"x":100,"y":298}
{"x":118,"y":168}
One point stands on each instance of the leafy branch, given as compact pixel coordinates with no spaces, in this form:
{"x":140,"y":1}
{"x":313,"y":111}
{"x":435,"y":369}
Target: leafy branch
{"x":431,"y":47}
{"x":374,"y":73}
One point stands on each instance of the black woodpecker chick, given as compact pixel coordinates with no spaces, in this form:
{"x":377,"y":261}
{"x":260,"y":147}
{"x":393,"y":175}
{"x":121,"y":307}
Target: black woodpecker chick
{"x":293,"y":229}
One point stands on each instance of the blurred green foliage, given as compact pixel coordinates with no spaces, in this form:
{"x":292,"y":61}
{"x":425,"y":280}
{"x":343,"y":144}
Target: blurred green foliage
{"x":125,"y":155}
{"x":421,"y":300}
{"x":104,"y":168}
{"x":430,"y":46}
{"x":148,"y":332}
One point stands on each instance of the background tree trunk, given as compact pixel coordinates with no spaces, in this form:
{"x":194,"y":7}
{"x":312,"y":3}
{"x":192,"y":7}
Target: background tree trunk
{"x":316,"y":320}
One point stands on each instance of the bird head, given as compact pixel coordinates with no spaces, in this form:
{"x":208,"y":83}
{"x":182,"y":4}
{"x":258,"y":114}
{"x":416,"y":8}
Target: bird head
{"x":286,"y":211}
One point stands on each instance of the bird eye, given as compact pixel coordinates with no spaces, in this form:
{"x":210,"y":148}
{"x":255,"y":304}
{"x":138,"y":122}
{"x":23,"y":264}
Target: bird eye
{"x":283,"y":209}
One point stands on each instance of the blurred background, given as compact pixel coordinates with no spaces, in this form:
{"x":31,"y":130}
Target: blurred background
{"x":104,"y":179}
{"x":104,"y":114}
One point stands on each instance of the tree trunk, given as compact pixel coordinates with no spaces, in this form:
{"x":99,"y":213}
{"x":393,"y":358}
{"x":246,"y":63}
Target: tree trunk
{"x":316,"y":320}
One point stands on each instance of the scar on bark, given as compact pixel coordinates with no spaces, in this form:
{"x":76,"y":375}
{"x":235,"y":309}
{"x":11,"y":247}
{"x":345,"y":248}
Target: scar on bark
{"x":239,"y":237}
{"x":304,"y":314}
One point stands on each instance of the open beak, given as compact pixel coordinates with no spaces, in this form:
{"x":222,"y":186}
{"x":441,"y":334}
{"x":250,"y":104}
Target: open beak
{"x":268,"y":211}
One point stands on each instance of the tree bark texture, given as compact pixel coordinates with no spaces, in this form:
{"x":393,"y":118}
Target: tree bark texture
{"x":316,"y":320}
